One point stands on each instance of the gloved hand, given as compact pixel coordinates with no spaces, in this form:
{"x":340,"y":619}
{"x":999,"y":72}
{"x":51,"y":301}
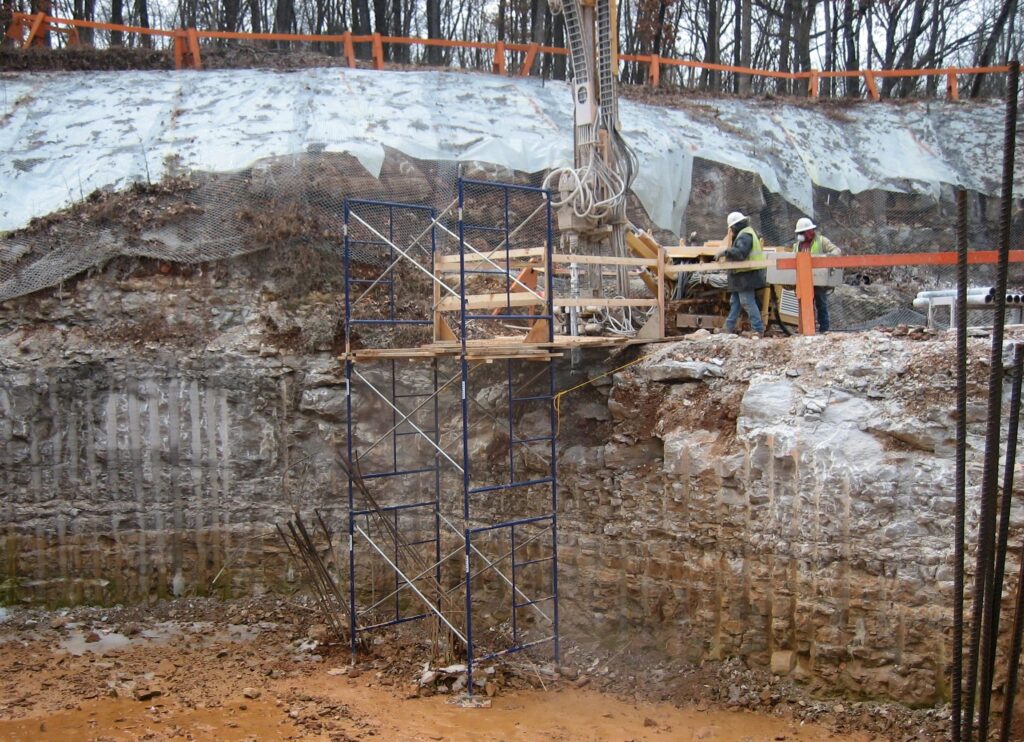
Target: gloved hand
{"x":720,"y":257}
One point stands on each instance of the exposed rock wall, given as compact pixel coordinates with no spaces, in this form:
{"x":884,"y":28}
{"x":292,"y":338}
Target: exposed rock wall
{"x":788,"y":501}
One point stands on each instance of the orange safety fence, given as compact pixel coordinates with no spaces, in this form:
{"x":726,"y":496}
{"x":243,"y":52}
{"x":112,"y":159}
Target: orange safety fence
{"x":29,"y":30}
{"x":805,"y":263}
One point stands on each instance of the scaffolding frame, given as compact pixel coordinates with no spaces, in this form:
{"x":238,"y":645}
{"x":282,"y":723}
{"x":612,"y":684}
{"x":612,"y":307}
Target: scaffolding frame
{"x":372,"y":235}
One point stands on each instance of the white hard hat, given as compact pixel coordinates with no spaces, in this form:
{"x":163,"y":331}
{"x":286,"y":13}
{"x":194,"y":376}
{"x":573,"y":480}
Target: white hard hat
{"x":803,"y":224}
{"x":734,"y":217}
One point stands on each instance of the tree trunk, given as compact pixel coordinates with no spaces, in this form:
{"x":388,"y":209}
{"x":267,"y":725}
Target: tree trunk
{"x":826,"y":90}
{"x":434,"y":53}
{"x":229,"y":15}
{"x":737,"y":36}
{"x":284,"y":20}
{"x":785,"y":41}
{"x":746,"y":34}
{"x":85,"y":10}
{"x":990,"y":46}
{"x":558,"y":32}
{"x":712,"y":53}
{"x":850,"y":42}
{"x":142,"y":18}
{"x":361,"y":26}
{"x":117,"y":18}
{"x":400,"y":52}
{"x":255,"y":16}
{"x":537,"y":30}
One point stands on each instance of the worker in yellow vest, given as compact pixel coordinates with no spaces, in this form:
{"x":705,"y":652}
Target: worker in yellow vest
{"x":808,"y":240}
{"x":744,"y":283}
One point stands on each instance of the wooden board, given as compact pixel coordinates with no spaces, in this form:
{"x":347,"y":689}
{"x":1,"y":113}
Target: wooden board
{"x":490,"y":301}
{"x":675,"y":270}
{"x":495,"y":255}
{"x":559,"y":302}
{"x":601,"y":260}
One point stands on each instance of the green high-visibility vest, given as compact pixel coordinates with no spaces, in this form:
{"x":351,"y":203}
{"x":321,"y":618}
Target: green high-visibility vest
{"x":815,"y":245}
{"x":755,"y":251}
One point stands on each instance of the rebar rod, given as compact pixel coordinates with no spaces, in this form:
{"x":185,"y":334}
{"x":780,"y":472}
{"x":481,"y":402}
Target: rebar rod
{"x":1015,"y":645}
{"x":961,"y":461}
{"x":994,"y":608}
{"x":990,"y":475}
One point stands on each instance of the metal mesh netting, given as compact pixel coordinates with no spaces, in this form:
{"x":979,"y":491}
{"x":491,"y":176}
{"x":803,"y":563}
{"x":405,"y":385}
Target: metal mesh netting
{"x":294,"y":205}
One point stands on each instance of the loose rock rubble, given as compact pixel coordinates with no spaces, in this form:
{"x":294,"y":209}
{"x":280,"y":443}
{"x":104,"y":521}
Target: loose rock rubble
{"x":204,"y":666}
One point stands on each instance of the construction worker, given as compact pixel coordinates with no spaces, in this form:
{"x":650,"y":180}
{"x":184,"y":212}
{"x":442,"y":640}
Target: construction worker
{"x":808,"y":239}
{"x":744,"y":283}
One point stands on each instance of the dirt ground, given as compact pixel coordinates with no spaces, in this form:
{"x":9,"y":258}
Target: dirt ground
{"x":259,"y":670}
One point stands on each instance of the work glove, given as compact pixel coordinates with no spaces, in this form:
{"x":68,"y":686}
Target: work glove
{"x":720,"y":257}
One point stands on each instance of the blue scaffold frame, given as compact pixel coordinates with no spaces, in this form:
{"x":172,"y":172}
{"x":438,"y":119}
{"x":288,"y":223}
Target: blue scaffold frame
{"x":472,"y":530}
{"x":387,"y":239}
{"x":552,"y":479}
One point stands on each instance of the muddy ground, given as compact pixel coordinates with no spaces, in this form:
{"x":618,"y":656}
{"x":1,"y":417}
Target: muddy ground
{"x":267,"y":669}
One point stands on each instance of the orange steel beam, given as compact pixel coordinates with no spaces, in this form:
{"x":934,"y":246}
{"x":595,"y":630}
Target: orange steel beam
{"x":350,"y":50}
{"x":34,"y":30}
{"x":378,"y":51}
{"x":805,"y":263}
{"x":805,"y":291}
{"x":869,"y":80}
{"x":193,"y":49}
{"x":977,"y":257}
{"x":531,"y":55}
{"x":952,"y":86}
{"x":654,"y":71}
{"x":498,"y":65}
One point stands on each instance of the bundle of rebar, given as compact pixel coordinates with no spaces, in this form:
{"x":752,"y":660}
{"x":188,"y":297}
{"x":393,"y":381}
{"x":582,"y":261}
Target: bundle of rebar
{"x":444,"y":605}
{"x":303,"y":549}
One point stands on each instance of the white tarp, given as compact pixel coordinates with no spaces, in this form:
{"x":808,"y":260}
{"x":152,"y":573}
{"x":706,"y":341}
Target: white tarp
{"x":66,"y":134}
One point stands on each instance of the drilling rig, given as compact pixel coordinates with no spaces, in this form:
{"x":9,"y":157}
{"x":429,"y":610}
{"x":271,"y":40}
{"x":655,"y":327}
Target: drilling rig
{"x":591,"y":202}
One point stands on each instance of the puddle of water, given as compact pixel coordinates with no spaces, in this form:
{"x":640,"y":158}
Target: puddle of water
{"x":77,"y":645}
{"x":200,"y":632}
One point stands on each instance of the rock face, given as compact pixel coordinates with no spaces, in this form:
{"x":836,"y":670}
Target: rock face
{"x":799,"y":513}
{"x":784,"y":501}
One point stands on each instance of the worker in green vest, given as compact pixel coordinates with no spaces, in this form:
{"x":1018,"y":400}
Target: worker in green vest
{"x":744,"y":283}
{"x":808,"y":240}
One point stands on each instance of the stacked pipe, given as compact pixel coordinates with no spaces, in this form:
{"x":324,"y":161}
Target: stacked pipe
{"x":995,"y":510}
{"x":977,"y":298}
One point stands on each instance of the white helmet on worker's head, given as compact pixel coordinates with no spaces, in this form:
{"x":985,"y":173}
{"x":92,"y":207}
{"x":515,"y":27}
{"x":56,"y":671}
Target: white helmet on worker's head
{"x":803,"y":224}
{"x":734,"y":218}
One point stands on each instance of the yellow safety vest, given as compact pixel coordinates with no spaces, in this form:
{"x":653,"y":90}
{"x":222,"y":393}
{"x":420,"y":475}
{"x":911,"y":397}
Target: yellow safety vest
{"x":815,"y":245}
{"x":755,"y":251}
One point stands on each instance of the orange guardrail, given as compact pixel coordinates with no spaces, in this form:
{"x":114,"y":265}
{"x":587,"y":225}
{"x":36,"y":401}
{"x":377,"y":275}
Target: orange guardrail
{"x":805,"y":263}
{"x":29,"y":29}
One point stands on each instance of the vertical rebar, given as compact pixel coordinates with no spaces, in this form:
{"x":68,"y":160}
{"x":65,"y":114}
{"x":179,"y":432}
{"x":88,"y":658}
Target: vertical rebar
{"x":983,"y":583}
{"x":961,"y":460}
{"x":995,"y":607}
{"x":1015,"y":643}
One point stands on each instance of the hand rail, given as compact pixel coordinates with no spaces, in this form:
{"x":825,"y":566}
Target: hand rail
{"x":27,"y":30}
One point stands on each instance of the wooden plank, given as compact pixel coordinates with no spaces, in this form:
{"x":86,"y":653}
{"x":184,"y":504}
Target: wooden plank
{"x":693,"y":251}
{"x":602,"y":260}
{"x":538,"y":333}
{"x":605,"y":302}
{"x":449,"y":269}
{"x":641,"y":248}
{"x":675,"y":270}
{"x":805,"y":292}
{"x":495,"y":255}
{"x":489,"y":301}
